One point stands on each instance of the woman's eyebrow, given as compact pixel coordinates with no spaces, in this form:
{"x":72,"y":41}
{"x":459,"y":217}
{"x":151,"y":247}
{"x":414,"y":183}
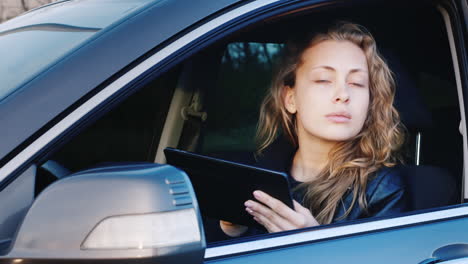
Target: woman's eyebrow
{"x":324,"y":67}
{"x":333,"y":69}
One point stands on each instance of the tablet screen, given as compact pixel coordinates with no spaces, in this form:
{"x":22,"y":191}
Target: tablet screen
{"x":223,"y":186}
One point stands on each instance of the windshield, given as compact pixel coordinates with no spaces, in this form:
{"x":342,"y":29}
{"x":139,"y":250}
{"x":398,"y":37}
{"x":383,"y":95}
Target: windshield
{"x":30,"y":43}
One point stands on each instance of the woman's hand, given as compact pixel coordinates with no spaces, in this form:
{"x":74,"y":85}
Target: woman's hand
{"x":232,"y":230}
{"x":276,"y":216}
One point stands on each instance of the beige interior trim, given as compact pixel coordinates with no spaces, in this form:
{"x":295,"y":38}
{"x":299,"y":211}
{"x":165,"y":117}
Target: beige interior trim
{"x":456,"y":68}
{"x":174,"y":122}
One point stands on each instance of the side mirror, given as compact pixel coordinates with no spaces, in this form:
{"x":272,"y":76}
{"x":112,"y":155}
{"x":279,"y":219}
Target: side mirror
{"x":127,"y":213}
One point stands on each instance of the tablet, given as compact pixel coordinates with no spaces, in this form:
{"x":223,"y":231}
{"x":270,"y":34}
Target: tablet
{"x":223,"y":186}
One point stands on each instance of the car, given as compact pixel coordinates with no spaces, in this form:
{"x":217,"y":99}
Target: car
{"x":93,"y":91}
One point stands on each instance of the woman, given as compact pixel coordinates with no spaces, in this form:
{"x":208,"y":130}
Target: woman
{"x":333,"y":102}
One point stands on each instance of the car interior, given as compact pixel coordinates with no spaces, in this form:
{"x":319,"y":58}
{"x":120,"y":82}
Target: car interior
{"x":209,"y":103}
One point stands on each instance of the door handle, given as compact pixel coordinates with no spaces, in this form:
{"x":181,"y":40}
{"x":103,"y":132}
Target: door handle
{"x":447,"y":253}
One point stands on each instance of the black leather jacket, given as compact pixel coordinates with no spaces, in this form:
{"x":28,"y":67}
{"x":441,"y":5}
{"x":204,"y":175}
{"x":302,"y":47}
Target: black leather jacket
{"x":386,"y":191}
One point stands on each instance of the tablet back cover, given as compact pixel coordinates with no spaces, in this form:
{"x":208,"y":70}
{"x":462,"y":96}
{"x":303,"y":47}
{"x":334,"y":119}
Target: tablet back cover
{"x":223,"y":186}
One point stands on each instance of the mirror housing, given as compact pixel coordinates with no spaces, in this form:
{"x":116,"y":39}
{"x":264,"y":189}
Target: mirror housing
{"x":128,"y":213}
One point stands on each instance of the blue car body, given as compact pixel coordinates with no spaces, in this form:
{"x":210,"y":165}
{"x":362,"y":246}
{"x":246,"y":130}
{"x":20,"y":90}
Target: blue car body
{"x":147,"y":40}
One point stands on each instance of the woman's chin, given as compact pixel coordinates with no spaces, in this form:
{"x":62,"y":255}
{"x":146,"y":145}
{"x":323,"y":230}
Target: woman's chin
{"x":338,"y":136}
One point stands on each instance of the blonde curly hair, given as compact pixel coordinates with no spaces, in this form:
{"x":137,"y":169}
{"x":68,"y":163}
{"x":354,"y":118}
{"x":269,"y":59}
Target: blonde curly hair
{"x":351,"y":163}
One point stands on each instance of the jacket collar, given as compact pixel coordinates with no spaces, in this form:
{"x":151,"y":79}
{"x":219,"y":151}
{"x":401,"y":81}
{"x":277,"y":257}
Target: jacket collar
{"x":278,"y":156}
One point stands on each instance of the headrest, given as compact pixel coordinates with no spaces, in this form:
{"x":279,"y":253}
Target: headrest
{"x":408,"y":101}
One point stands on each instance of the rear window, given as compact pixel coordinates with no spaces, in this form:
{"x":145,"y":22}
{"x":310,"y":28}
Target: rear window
{"x":32,"y":42}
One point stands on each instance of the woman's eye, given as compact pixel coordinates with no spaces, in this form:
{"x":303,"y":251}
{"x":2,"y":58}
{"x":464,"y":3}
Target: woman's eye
{"x":357,"y":84}
{"x":322,"y":81}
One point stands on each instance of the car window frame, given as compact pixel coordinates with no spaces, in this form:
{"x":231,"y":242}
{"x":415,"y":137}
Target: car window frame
{"x":453,"y":23}
{"x":353,"y":228}
{"x":333,"y":231}
{"x":29,"y":111}
{"x":170,"y":55}
{"x":155,"y":64}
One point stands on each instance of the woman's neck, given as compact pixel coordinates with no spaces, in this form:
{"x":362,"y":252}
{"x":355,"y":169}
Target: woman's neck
{"x":310,"y":158}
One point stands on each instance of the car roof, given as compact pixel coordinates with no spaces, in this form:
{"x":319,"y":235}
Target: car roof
{"x":32,"y":107}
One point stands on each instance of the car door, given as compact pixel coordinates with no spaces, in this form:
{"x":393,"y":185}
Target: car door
{"x":411,"y":238}
{"x":428,"y":236}
{"x":408,"y":239}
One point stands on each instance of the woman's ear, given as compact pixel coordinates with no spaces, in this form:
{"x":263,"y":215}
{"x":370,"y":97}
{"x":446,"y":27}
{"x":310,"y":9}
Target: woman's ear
{"x":289,"y":99}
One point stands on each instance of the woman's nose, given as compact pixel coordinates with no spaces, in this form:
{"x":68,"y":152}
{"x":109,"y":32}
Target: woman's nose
{"x":341,"y":94}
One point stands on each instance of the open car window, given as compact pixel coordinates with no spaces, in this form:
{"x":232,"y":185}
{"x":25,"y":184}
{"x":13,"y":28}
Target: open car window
{"x":426,"y":94}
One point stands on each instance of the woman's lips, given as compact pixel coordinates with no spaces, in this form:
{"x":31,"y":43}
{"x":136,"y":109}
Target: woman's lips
{"x":340,"y":117}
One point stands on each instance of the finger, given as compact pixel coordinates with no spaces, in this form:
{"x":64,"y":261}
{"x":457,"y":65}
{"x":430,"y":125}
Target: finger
{"x":264,"y":221}
{"x":308,"y":217}
{"x":276,"y":205}
{"x":299,"y":208}
{"x":257,"y":210}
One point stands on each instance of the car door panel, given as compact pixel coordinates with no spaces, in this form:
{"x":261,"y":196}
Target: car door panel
{"x":410,"y":244}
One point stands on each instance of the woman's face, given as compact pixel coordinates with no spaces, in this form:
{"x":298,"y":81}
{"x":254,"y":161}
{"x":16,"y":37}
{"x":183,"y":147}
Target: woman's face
{"x":331,"y":93}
